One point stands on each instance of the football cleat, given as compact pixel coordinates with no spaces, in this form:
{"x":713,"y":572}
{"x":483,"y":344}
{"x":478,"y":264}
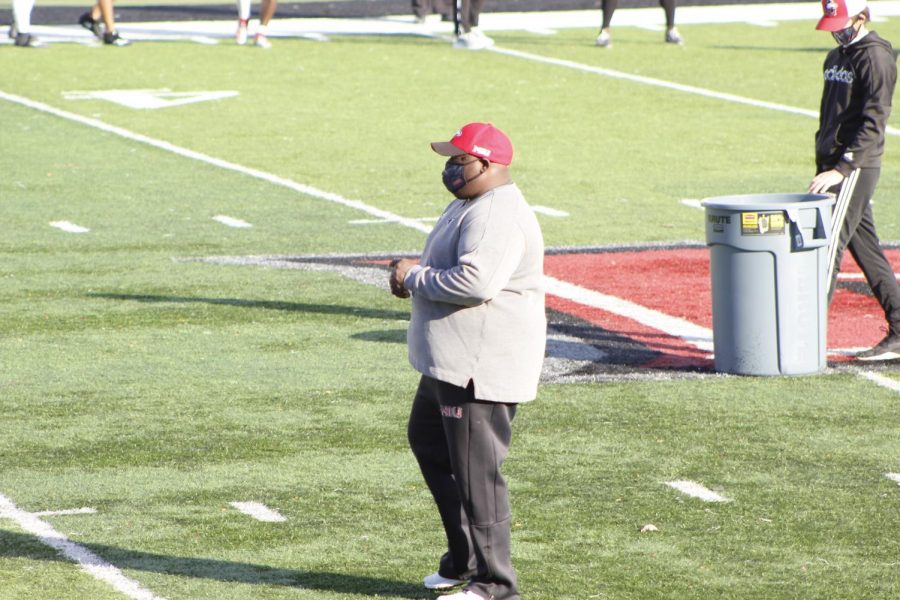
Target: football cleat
{"x":240,"y":36}
{"x":88,"y":22}
{"x":604,"y":40}
{"x":112,"y":38}
{"x":26,"y":40}
{"x":673,"y":37}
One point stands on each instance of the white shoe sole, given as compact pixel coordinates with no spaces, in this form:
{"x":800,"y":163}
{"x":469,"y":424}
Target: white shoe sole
{"x":890,"y":355}
{"x":443,"y":583}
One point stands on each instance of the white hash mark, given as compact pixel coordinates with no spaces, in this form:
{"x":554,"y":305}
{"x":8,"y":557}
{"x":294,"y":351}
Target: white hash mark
{"x":231,"y":221}
{"x":69,"y":227}
{"x":259,"y":511}
{"x":692,"y":488}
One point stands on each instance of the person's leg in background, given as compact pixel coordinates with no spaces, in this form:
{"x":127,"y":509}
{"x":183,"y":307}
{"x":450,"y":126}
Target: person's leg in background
{"x":608,"y":8}
{"x":672,"y":35}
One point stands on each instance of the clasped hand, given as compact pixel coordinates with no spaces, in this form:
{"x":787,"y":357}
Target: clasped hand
{"x":399,"y":268}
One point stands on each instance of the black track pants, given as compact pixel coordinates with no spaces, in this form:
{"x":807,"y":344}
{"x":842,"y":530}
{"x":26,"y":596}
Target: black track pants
{"x":853,"y":228}
{"x":460,"y":444}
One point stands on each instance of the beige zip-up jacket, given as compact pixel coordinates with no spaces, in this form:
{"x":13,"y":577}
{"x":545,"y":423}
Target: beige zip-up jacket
{"x":478,"y":298}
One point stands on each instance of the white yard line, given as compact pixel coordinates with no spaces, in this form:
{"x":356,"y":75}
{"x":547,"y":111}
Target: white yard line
{"x":69,"y":227}
{"x":232,"y":222}
{"x":68,"y":511}
{"x":550,"y":212}
{"x":885,"y":382}
{"x":77,"y":553}
{"x":661,"y":83}
{"x":307,"y":190}
{"x":259,"y":511}
{"x":893,"y":477}
{"x":695,"y":490}
{"x":697,"y":336}
{"x":652,"y":81}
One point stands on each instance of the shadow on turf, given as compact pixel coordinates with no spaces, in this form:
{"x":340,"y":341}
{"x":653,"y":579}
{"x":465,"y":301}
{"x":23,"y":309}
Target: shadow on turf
{"x":390,"y":336}
{"x":20,"y":545}
{"x":326,"y":309}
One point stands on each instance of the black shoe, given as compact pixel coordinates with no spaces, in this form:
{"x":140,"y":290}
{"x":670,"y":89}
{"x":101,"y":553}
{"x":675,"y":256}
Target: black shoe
{"x":113,"y":38}
{"x":88,"y":22}
{"x":887,"y":349}
{"x":26,"y":40}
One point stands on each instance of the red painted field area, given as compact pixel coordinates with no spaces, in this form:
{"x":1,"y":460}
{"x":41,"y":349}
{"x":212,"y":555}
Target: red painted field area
{"x":676,"y":282}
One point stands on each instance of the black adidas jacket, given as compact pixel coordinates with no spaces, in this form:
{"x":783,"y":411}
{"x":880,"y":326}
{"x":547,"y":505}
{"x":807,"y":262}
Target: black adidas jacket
{"x":856,"y":104}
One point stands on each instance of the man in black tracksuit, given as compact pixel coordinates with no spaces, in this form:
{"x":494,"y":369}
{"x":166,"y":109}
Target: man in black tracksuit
{"x":860,"y":75}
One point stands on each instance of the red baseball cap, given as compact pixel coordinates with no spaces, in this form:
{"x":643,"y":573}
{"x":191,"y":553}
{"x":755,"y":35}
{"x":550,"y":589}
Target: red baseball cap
{"x":478,"y":139}
{"x":838,"y":12}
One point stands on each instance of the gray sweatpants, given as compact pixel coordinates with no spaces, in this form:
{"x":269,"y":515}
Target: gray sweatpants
{"x":460,"y":444}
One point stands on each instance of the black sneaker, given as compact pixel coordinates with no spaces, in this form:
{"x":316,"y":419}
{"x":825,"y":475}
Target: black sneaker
{"x":887,"y":349}
{"x":88,"y":22}
{"x":26,"y":40}
{"x":113,"y":38}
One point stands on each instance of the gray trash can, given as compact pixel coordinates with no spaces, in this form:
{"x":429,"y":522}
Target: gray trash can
{"x":769,"y":265}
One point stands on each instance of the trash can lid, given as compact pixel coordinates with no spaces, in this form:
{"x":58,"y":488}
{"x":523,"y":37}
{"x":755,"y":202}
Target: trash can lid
{"x":767,"y":201}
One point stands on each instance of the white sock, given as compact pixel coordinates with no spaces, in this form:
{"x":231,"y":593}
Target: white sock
{"x":22,"y":14}
{"x":263,"y":30}
{"x":243,"y":9}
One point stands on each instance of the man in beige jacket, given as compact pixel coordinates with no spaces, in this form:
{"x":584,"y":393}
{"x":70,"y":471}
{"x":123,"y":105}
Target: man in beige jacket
{"x":477,"y":336}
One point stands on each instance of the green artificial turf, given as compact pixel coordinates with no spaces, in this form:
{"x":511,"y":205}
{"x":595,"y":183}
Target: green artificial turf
{"x":158,"y":389}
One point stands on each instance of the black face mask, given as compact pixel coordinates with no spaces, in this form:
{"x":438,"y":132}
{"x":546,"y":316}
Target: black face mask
{"x":454,"y":177}
{"x":845,"y":36}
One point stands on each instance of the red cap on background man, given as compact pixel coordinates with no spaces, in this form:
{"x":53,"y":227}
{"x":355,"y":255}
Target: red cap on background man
{"x":478,"y":139}
{"x":838,"y":12}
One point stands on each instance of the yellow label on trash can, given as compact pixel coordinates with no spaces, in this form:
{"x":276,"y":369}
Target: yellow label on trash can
{"x":762,"y":223}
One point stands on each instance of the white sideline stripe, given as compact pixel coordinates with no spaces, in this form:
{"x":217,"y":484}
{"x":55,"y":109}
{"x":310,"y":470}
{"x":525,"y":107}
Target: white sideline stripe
{"x":893,"y":477}
{"x":550,"y":212}
{"x":383,"y":221}
{"x":69,"y":511}
{"x":259,"y":511}
{"x":69,"y":227}
{"x":86,"y":559}
{"x":231,"y":221}
{"x":307,"y":190}
{"x":697,"y":336}
{"x":671,"y":85}
{"x":692,"y":488}
{"x":885,"y":382}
